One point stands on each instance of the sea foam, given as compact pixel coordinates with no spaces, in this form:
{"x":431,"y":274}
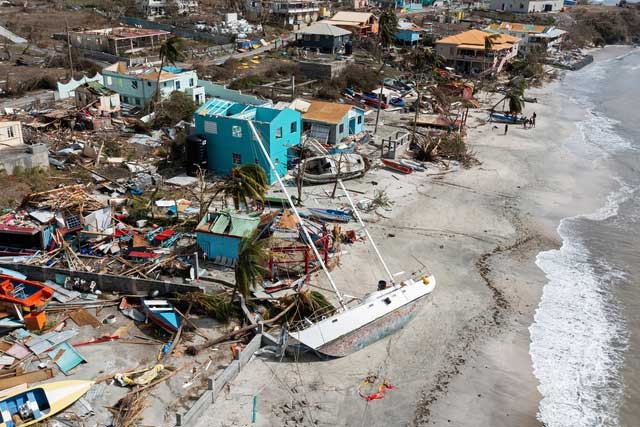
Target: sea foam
{"x":578,"y":337}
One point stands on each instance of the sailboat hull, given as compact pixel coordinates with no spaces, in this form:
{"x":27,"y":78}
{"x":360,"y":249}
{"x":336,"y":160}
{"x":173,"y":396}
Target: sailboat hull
{"x":372,"y":332}
{"x":345,"y":333}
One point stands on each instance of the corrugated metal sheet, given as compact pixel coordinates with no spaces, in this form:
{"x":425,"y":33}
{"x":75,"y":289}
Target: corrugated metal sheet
{"x":66,"y":357}
{"x":44,"y":342}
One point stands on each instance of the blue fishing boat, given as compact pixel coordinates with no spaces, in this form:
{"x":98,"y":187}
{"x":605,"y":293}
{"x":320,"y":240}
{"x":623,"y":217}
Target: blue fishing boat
{"x":507,"y":118}
{"x":163,"y":314}
{"x":332,"y":215}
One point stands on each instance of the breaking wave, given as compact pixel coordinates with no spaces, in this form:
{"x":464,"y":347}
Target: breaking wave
{"x":578,"y":337}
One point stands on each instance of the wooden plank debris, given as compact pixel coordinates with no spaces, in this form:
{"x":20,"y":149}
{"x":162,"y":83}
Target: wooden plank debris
{"x":83,"y":318}
{"x":28,"y":378}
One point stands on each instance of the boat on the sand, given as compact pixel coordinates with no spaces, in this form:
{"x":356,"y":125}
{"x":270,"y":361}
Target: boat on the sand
{"x":32,"y":406}
{"x":326,"y":169}
{"x":163,"y":314}
{"x":333,"y":215}
{"x":27,"y":294}
{"x":397,"y":166}
{"x":362,"y":321}
{"x":507,"y":118}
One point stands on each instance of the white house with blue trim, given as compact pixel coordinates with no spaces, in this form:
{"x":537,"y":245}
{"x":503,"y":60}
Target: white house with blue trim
{"x":330,"y":122}
{"x":137,"y":85}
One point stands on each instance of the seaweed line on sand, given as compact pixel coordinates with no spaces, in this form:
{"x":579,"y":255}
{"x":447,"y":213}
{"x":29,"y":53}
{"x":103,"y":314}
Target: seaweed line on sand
{"x":478,"y":326}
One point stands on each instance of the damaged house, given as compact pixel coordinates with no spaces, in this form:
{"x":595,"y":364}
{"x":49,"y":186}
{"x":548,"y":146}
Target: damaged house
{"x":329,"y":122}
{"x":14,"y":153}
{"x":230,"y":141}
{"x":219,"y":234}
{"x":95,"y":95}
{"x":137,"y":85}
{"x":43,"y":219}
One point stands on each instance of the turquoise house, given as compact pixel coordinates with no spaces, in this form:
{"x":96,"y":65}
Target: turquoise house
{"x":219,"y":234}
{"x":331,"y":122}
{"x":230,"y":141}
{"x":408,"y":33}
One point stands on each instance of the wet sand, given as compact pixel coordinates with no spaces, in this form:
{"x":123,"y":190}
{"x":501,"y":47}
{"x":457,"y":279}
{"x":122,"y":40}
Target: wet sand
{"x":464,"y":360}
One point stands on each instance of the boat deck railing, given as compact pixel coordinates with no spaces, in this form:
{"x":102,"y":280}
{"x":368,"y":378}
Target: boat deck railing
{"x":308,"y":321}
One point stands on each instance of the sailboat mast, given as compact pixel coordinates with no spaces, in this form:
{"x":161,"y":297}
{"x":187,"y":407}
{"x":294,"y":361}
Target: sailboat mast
{"x":258,"y":138}
{"x":375,"y":248}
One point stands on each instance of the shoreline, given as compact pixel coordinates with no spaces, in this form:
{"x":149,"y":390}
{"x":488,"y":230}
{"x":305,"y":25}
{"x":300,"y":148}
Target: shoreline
{"x":464,"y":359}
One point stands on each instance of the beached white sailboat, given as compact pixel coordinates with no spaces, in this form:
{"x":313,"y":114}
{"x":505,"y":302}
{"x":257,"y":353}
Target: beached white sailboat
{"x":375,"y":316}
{"x":325,"y":169}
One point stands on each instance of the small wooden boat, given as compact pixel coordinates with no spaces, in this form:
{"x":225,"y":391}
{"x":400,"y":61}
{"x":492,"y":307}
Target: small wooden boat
{"x":332,"y":215}
{"x":38,"y":403}
{"x":162,"y":313}
{"x":25,"y":293}
{"x":397,"y":166}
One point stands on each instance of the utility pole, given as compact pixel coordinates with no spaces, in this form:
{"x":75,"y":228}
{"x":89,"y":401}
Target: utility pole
{"x":415,"y":119}
{"x":293,"y":87}
{"x":66,"y":26}
{"x":375,"y":129}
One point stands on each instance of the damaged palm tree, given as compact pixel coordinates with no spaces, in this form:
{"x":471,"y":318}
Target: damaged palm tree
{"x":250,"y":267}
{"x":450,"y":146}
{"x":306,"y":304}
{"x":244,"y":183}
{"x":219,"y":305}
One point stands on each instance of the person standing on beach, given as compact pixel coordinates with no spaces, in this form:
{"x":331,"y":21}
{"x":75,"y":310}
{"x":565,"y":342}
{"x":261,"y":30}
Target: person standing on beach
{"x":506,"y":128}
{"x":533,"y":119}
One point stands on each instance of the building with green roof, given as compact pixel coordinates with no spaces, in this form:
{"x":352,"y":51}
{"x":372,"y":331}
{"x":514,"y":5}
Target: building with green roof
{"x":219,"y":234}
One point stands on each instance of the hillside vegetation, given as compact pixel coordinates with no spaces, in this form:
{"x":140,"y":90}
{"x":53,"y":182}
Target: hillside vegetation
{"x":601,"y":25}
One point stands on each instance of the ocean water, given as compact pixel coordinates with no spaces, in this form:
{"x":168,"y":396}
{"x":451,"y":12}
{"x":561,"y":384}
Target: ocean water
{"x":585,"y":339}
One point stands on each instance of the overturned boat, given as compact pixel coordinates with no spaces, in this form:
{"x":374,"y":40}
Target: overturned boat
{"x":354,"y":326}
{"x":328,"y":168}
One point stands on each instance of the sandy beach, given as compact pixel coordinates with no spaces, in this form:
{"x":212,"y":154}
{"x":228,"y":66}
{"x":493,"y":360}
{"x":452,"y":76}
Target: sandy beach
{"x":464,"y":360}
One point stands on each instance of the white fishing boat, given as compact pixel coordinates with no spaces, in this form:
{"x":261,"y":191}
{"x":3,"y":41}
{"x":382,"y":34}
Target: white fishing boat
{"x":327,"y":168}
{"x":354,"y":326}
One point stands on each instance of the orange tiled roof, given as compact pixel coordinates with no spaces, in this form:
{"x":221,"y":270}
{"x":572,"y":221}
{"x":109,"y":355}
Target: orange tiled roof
{"x":475,"y":39}
{"x":326,"y":112}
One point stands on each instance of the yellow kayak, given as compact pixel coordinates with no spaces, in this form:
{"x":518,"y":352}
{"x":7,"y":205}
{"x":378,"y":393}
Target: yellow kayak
{"x":40,"y":402}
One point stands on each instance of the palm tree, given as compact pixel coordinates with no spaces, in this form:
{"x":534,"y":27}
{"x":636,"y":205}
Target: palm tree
{"x":515,"y":98}
{"x":387,"y":27}
{"x":169,"y":53}
{"x":516,"y":102}
{"x":252,"y":257}
{"x":488,"y":44}
{"x":245,"y":182}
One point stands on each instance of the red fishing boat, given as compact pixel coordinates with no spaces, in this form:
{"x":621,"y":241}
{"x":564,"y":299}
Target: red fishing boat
{"x":397,"y":166}
{"x":25,"y":293}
